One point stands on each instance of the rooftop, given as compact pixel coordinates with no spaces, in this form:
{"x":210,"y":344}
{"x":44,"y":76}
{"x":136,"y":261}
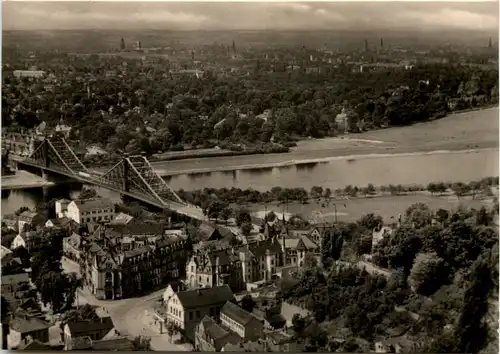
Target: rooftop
{"x":15,"y":279}
{"x":94,"y":204}
{"x":205,"y":297}
{"x":104,"y":323}
{"x":212,"y":329}
{"x":236,"y":313}
{"x":28,"y":324}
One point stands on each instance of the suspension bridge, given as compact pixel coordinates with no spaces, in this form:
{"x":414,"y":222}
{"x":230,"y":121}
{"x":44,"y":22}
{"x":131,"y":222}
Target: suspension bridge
{"x":133,"y":176}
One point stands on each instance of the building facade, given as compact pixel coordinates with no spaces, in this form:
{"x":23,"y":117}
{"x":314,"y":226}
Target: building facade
{"x":241,"y":322}
{"x":115,"y":266}
{"x":92,"y":210}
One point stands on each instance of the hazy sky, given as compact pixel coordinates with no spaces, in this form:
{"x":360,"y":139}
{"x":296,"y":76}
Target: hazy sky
{"x":250,"y":15}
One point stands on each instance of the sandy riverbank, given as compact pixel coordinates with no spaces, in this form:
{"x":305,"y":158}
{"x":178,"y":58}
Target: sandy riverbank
{"x":467,"y":131}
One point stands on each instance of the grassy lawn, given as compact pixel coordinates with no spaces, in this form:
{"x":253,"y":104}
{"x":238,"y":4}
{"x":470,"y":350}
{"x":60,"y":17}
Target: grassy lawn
{"x":385,"y":206}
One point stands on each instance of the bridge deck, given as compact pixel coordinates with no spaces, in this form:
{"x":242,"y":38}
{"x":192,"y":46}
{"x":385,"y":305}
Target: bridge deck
{"x":186,"y":209}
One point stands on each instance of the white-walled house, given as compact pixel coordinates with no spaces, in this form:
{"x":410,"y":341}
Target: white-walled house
{"x":91,"y":210}
{"x":62,"y":207}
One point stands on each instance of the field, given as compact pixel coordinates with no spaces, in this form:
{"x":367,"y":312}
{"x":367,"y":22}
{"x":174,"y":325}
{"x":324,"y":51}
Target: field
{"x":387,"y":206}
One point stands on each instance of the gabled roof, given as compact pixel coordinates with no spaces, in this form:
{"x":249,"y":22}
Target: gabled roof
{"x":137,"y":251}
{"x":5,"y":251}
{"x":212,"y":329}
{"x":94,"y":204}
{"x":103,"y":323}
{"x":15,"y":279}
{"x":258,"y":249}
{"x":198,"y":298}
{"x":236,"y":313}
{"x":139,"y":228}
{"x":28,"y":214}
{"x":122,"y":344}
{"x":27,"y":325}
{"x":206,"y":230}
{"x":121,"y":219}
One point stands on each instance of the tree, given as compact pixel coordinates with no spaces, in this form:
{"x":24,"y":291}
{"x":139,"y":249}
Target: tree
{"x":427,"y":274}
{"x":243,"y":216}
{"x":246,"y":228}
{"x":483,"y":217}
{"x":82,"y":313}
{"x":248,"y":303}
{"x":370,"y":221}
{"x":459,"y":189}
{"x":418,"y":215}
{"x":142,"y":343}
{"x":299,"y":324}
{"x":310,"y":261}
{"x":88,"y":193}
{"x":225,"y":214}
{"x":23,"y":254}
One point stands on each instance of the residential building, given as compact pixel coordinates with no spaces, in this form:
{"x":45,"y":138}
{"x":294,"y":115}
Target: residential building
{"x":72,"y":246}
{"x":214,"y":268}
{"x":30,"y":240}
{"x":187,"y":308}
{"x":210,"y":337}
{"x":11,"y":221}
{"x":15,"y":283}
{"x":112,"y":344}
{"x":92,"y":210}
{"x":241,"y":322}
{"x":280,"y":341}
{"x":62,"y":223}
{"x":208,"y":232}
{"x":61,"y":206}
{"x":5,"y":251}
{"x":95,"y":330}
{"x":63,"y":129}
{"x":23,"y":326}
{"x":30,"y":220}
{"x":114,"y":265}
{"x":260,"y":259}
{"x":296,"y":245}
{"x":271,"y":320}
{"x":122,"y":219}
{"x":29,"y":73}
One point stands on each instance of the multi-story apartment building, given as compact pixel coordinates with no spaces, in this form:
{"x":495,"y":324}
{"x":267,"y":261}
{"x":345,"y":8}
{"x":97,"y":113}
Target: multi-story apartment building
{"x":296,"y":244}
{"x":115,"y":266}
{"x":91,"y":210}
{"x":213,"y":268}
{"x":260,"y":259}
{"x":241,"y":322}
{"x":187,"y":308}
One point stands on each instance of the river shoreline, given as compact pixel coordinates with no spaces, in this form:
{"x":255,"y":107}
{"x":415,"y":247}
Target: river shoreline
{"x":166,"y":171}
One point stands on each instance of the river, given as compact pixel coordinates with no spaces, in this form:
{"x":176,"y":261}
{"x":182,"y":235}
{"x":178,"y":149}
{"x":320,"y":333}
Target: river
{"x":417,"y":168}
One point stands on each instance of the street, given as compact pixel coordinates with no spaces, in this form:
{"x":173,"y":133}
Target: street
{"x":129,"y":315}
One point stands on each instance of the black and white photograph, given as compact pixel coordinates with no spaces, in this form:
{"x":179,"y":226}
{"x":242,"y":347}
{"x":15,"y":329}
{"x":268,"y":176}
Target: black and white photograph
{"x":250,"y":176}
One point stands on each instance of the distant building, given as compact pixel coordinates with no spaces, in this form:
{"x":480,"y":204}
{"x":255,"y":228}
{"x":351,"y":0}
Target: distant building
{"x":241,"y":322}
{"x":118,"y":263}
{"x":29,"y":73}
{"x":95,"y":330}
{"x":211,"y":337}
{"x":31,"y":220}
{"x":22,"y":327}
{"x":187,"y":308}
{"x":91,"y":210}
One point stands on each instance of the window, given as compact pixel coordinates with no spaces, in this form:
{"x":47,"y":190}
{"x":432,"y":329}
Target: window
{"x":190,"y":316}
{"x":198,"y":315}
